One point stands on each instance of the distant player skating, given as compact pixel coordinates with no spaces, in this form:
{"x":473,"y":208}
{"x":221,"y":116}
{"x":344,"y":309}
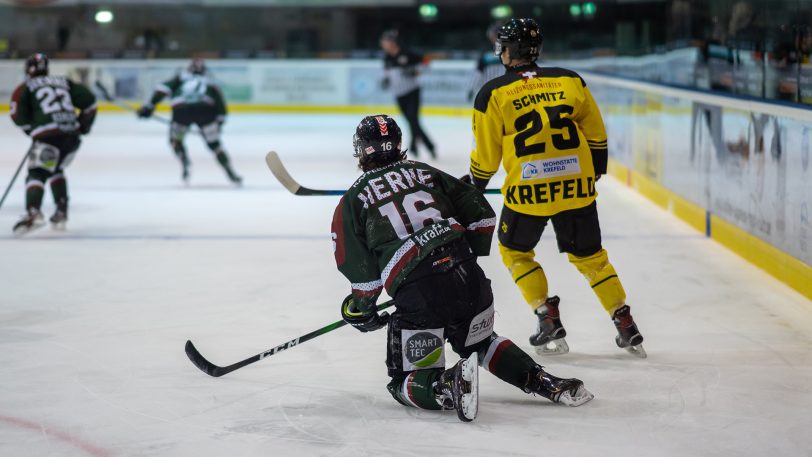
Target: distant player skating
{"x":543,"y":124}
{"x":45,"y":108}
{"x":401,"y":70}
{"x":415,"y":231}
{"x":195,"y":100}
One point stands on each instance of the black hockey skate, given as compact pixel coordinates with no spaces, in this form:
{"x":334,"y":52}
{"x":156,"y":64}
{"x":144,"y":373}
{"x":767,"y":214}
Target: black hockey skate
{"x":458,"y":388}
{"x":549,"y":338}
{"x":234,"y":177}
{"x":31,"y":221}
{"x":570,"y":392}
{"x":184,"y":170}
{"x":59,"y":220}
{"x":628,"y":338}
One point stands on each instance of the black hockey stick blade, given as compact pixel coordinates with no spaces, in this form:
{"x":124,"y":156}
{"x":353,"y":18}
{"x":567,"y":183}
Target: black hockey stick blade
{"x":216,"y":371}
{"x":282,"y":175}
{"x":200,"y":362}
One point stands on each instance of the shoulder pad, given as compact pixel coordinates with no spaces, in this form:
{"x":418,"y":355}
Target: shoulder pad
{"x":484,"y":95}
{"x":557,"y":72}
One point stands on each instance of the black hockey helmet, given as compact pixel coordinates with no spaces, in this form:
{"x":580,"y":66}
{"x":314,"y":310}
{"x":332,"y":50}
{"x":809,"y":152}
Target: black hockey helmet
{"x":36,"y":65}
{"x":392,"y":35}
{"x":521,"y":37}
{"x":197,"y":67}
{"x":377,"y":142}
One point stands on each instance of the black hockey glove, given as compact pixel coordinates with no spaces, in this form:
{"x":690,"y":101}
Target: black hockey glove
{"x":480,"y":184}
{"x":364,"y":322}
{"x":145,"y":111}
{"x":385,"y":83}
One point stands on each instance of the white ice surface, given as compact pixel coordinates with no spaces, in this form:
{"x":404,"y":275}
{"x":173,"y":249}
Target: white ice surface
{"x":93,"y":320}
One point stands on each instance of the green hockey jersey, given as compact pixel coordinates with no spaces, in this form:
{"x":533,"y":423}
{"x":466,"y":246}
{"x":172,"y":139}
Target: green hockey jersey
{"x":393,"y":217}
{"x":47,"y":105}
{"x":188,"y":89}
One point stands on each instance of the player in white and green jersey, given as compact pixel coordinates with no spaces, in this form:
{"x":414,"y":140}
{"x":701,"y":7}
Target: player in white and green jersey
{"x":416,"y":231}
{"x":195,"y":99}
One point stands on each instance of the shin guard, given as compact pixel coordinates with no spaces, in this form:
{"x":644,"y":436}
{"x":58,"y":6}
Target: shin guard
{"x":527,"y":274}
{"x":506,"y":361}
{"x":602,"y":278}
{"x":417,"y":389}
{"x":34,"y":191}
{"x":59,"y":190}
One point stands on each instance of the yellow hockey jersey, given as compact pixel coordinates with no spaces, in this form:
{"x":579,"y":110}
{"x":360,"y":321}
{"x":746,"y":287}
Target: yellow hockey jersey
{"x":543,"y":125}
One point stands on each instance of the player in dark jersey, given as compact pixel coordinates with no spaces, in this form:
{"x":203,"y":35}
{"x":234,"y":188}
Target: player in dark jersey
{"x":401,"y":70}
{"x":195,"y":100}
{"x":54,"y":111}
{"x":543,"y":126}
{"x":416,"y":231}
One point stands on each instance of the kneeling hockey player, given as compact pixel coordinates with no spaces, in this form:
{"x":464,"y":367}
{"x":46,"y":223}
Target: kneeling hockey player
{"x":55,"y":112}
{"x":195,"y":100}
{"x":416,"y":231}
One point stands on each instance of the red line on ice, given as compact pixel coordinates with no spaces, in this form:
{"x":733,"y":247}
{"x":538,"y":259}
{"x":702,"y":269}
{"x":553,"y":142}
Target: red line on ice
{"x":61,"y":436}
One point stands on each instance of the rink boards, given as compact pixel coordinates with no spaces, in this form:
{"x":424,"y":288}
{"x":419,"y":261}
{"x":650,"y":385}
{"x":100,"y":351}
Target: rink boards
{"x":736,"y":169}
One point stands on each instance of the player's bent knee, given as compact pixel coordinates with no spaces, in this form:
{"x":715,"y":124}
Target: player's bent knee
{"x":416,"y":388}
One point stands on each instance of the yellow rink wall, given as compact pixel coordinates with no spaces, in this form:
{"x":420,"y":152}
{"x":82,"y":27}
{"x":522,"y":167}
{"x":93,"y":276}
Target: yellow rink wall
{"x":781,"y":265}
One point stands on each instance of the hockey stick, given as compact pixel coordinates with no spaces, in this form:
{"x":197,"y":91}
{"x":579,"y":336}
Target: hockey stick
{"x":213,"y":370}
{"x":109,"y":98}
{"x":281,"y":173}
{"x":13,"y":178}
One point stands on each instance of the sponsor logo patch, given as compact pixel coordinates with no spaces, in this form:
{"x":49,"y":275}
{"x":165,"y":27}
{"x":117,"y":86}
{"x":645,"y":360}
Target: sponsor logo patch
{"x":549,"y":168}
{"x":481,"y":326}
{"x":422,"y":349}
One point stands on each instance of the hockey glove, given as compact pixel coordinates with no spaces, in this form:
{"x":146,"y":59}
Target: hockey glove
{"x":364,"y":322}
{"x":145,"y":111}
{"x":480,"y":184}
{"x":385,"y":83}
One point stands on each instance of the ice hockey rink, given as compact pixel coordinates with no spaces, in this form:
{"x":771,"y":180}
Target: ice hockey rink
{"x":93,"y":320}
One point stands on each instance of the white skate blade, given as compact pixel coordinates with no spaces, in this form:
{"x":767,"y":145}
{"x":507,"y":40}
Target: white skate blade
{"x":59,"y":226}
{"x":637,"y":351}
{"x":580,"y":397}
{"x":554,"y":347}
{"x":469,"y":403}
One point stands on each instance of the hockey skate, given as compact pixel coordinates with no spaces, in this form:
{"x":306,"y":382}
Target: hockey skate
{"x":570,"y":392}
{"x":59,"y":220}
{"x":549,"y":339}
{"x":628,"y":338}
{"x":234,"y":177}
{"x":458,"y":388}
{"x":185,"y":165}
{"x":32,"y":221}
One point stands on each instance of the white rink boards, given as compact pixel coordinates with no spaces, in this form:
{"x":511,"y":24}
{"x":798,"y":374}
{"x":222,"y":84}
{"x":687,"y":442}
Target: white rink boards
{"x":93,"y":320}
